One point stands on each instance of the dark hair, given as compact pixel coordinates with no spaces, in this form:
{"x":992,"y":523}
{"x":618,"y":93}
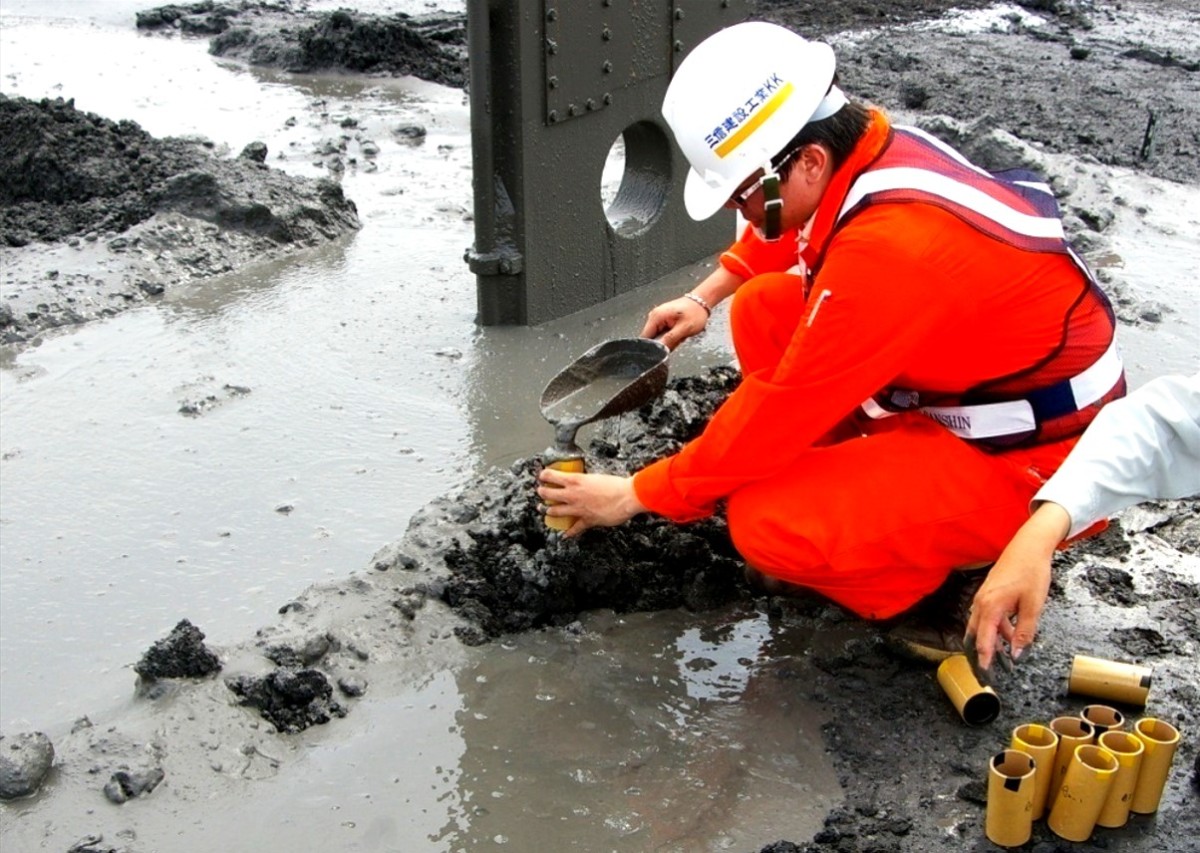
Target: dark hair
{"x":839,"y":133}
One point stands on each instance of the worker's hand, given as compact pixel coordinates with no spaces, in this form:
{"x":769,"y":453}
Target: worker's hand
{"x":1009,"y":604}
{"x":593,"y":500}
{"x":675,"y":321}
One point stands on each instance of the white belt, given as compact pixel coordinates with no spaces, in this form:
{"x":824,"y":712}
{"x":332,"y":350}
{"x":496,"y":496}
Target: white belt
{"x":992,"y":420}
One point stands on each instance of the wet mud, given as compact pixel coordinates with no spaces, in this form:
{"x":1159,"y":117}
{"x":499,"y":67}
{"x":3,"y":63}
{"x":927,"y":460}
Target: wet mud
{"x":431,"y":47}
{"x":477,"y":565}
{"x":170,"y":210}
{"x":512,"y":573}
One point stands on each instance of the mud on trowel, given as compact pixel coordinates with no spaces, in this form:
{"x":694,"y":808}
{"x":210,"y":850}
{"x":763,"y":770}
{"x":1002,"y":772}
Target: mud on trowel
{"x":610,"y":379}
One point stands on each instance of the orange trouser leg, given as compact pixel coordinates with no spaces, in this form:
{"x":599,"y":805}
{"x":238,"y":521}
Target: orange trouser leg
{"x":878,"y":522}
{"x":766,"y":311}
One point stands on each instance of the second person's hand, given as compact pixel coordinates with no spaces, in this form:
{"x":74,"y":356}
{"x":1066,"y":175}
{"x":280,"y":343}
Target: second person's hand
{"x":1009,"y":604}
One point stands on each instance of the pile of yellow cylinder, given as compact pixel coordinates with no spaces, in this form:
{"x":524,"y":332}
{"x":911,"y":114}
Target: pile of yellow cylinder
{"x":1079,"y":772}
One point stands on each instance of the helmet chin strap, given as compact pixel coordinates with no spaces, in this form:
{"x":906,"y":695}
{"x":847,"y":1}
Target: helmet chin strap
{"x":772,"y":205}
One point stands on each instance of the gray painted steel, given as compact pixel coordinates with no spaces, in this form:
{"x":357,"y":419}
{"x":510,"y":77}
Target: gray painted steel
{"x":554,"y":83}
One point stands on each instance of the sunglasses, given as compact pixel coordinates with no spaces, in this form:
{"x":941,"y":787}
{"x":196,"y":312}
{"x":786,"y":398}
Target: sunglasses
{"x":741,"y":197}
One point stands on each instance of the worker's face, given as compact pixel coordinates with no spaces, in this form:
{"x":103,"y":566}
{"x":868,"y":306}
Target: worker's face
{"x":801,"y":192}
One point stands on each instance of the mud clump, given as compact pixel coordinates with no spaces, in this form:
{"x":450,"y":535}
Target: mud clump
{"x":1114,"y":586}
{"x":1141,"y":642}
{"x":181,"y":654}
{"x":126,"y":785}
{"x":166,"y":210}
{"x":430,"y":47}
{"x":25,"y":761}
{"x":65,"y":172}
{"x":513,"y":574}
{"x":290,"y":700}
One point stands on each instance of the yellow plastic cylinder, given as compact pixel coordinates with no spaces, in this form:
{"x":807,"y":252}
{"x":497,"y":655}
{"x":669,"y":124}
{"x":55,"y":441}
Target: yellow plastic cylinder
{"x":571,"y":465}
{"x":1111,"y":680}
{"x":1103,"y":719}
{"x":1010,"y":791}
{"x":975,"y":703}
{"x":1041,"y":744}
{"x":1072,"y":732}
{"x":1160,"y":739}
{"x":1128,"y":751}
{"x":1085,"y":787}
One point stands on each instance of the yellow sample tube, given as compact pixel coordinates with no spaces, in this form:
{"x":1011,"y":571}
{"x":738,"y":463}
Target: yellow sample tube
{"x":1128,"y":751}
{"x":1160,"y":739}
{"x":1112,"y":680}
{"x":571,"y":465}
{"x":1103,"y":719}
{"x":975,"y":703}
{"x":1072,"y":732}
{"x":1010,"y":791}
{"x":1085,"y":787}
{"x":1040,"y":743}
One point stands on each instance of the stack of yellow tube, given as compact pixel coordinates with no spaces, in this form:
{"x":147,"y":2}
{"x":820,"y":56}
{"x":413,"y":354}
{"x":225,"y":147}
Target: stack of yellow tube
{"x":1085,"y":771}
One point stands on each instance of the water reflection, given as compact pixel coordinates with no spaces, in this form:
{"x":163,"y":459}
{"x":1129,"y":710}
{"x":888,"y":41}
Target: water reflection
{"x":664,"y":731}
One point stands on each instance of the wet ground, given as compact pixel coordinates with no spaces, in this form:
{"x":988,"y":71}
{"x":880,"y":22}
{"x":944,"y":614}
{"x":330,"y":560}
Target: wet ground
{"x":647,"y":702}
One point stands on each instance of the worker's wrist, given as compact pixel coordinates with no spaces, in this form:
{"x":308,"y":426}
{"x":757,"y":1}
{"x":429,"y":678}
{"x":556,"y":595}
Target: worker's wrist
{"x":699,"y":300}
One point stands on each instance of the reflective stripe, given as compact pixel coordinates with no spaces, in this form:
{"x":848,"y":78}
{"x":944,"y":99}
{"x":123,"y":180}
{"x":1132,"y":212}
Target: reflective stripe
{"x":1014,"y":417}
{"x":1091,"y":385}
{"x":1040,"y":186}
{"x":943,"y":186}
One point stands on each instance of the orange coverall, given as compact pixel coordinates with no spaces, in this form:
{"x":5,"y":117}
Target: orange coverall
{"x":908,"y":295}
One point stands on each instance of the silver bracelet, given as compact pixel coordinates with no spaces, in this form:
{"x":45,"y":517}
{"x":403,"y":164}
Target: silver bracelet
{"x":699,"y":300}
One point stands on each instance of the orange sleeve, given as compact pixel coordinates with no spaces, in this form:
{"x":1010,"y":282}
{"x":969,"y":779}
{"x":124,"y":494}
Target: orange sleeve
{"x":751,"y":255}
{"x":876,"y":302}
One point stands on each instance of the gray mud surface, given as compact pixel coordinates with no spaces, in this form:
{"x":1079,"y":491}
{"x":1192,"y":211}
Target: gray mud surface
{"x":432,"y":47}
{"x":169,"y":210}
{"x":477,"y":565}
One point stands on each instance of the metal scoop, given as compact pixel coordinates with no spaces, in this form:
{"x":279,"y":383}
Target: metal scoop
{"x":610,"y":379}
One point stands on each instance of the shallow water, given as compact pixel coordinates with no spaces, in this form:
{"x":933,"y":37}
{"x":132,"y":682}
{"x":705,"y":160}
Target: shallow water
{"x":210,"y":456}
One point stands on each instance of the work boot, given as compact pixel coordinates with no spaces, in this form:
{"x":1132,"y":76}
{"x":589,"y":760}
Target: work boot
{"x":933,"y":629}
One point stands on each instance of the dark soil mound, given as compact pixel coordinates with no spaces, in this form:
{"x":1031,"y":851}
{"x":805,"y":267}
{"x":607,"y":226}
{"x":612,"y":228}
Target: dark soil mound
{"x":290,"y":699}
{"x":429,"y":47}
{"x":513,"y":574}
{"x":65,"y":172}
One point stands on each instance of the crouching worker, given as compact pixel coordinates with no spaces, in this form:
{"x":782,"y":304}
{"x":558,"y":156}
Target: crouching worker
{"x":919,"y":346}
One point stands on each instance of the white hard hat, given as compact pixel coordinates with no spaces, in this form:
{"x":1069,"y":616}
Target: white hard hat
{"x":737,"y":100}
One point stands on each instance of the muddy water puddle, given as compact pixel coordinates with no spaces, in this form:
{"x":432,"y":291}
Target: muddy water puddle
{"x":211,"y":455}
{"x":670,"y":731}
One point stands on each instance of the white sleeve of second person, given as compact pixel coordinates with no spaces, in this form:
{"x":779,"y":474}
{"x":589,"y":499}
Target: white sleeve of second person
{"x":1145,"y":446}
